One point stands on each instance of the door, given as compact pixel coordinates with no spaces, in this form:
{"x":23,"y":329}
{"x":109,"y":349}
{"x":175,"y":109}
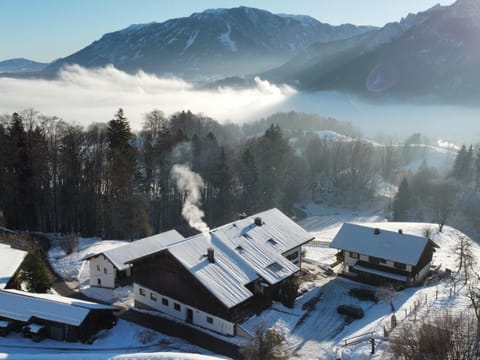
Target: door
{"x":189,"y":316}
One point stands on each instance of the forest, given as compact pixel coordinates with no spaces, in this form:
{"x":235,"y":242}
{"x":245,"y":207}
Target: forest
{"x":110,"y":181}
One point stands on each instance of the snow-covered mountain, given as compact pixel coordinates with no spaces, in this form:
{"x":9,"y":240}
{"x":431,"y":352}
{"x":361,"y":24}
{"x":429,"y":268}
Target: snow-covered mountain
{"x":217,"y":41}
{"x":20,"y":65}
{"x":435,"y":54}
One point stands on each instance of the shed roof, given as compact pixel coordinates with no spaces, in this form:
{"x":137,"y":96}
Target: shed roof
{"x":389,"y":245}
{"x":225,"y":278}
{"x":121,"y":255}
{"x":23,"y":306}
{"x":10,"y":261}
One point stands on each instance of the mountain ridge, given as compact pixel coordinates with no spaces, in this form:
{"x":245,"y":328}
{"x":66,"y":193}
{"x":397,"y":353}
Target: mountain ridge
{"x":214,"y":41}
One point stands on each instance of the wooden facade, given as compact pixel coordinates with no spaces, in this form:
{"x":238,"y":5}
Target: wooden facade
{"x":164,"y":274}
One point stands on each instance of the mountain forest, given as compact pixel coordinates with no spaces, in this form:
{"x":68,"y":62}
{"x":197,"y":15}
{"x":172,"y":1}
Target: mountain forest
{"x":107,"y":180}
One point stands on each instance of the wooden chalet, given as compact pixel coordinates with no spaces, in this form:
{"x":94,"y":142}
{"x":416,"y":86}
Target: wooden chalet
{"x":215,"y":280}
{"x":63,"y":318}
{"x":378,"y":256}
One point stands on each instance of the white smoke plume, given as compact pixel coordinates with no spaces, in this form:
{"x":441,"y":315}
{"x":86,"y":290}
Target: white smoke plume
{"x":190,"y":183}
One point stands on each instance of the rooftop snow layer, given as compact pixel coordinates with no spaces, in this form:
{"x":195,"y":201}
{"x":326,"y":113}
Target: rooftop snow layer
{"x":23,"y":306}
{"x":121,"y":255}
{"x":389,"y":245}
{"x":10,"y":261}
{"x":225,"y":278}
{"x":271,"y":265}
{"x":277,"y":231}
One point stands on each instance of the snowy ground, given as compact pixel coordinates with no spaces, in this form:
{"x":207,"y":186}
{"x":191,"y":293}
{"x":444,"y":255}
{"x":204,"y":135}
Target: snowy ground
{"x":313,"y":328}
{"x":124,"y":341}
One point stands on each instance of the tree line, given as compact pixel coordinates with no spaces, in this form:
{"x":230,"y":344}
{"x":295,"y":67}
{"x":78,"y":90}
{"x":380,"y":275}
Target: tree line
{"x":110,"y":181}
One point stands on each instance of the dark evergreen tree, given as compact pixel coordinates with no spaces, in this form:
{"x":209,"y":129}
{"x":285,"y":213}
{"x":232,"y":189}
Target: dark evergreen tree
{"x":35,"y":273}
{"x":402,"y":202}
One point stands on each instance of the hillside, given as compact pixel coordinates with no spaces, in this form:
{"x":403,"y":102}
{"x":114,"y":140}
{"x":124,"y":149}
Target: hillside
{"x":20,"y":66}
{"x":217,"y":42}
{"x":433,"y":54}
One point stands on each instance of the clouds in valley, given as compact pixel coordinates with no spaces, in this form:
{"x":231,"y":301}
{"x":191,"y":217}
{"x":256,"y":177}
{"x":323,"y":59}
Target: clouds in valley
{"x":84,"y":96}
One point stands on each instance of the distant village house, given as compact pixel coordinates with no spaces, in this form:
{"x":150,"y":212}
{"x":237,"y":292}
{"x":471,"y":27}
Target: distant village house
{"x":380,"y":256}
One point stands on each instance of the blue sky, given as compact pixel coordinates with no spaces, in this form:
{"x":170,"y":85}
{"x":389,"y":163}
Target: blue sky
{"x":44,"y":30}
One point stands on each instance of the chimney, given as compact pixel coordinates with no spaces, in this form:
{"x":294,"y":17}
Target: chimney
{"x":210,"y":255}
{"x":376,"y":231}
{"x":258,"y":221}
{"x":400,"y":231}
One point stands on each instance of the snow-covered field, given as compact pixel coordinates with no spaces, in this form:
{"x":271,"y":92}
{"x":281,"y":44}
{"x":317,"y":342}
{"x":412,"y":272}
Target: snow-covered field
{"x":313,"y":328}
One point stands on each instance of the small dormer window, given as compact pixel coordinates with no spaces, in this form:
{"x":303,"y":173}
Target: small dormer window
{"x":272,"y":242}
{"x":275,"y":267}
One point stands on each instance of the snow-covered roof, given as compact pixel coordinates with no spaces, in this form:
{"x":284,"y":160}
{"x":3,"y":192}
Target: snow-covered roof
{"x":121,"y":255}
{"x":23,"y":306}
{"x":10,"y":261}
{"x":277,"y":232}
{"x":388,"y":245}
{"x":267,"y":262}
{"x":225,"y":278}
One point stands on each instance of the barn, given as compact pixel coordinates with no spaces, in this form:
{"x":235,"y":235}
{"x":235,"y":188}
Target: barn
{"x":110,"y":269}
{"x":63,"y":318}
{"x":215,"y":280}
{"x":379,"y":256}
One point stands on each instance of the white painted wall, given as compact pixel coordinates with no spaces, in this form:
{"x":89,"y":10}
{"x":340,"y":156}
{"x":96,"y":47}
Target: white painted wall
{"x":422,"y":273}
{"x":350,"y":261}
{"x":101,"y":268}
{"x":199,"y":317}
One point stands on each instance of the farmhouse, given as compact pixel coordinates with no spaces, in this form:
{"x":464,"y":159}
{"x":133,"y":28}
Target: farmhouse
{"x":110,"y":268}
{"x":215,"y":280}
{"x":380,"y":256}
{"x":10,"y":262}
{"x":62,"y":318}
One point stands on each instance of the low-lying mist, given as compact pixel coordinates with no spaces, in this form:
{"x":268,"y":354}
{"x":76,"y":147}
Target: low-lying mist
{"x":84,"y":96}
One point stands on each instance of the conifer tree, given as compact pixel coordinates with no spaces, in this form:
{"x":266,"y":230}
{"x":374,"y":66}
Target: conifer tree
{"x":35,"y":273}
{"x":402,"y":202}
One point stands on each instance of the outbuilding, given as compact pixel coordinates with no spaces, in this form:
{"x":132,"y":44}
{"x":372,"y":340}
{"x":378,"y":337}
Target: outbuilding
{"x":62,"y":318}
{"x":111,"y":268}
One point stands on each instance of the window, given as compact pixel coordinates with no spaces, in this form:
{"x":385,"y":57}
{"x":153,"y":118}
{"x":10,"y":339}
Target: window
{"x":98,"y":267}
{"x":373,"y":260}
{"x":153,"y":296}
{"x":400,"y":265}
{"x":176,"y":306}
{"x":275,"y":267}
{"x":354,"y":255}
{"x":164,"y":301}
{"x":209,"y":320}
{"x":104,"y":270}
{"x":141,"y":291}
{"x":272,"y":242}
{"x":99,"y":282}
{"x":292,"y":256}
{"x":383,"y":261}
